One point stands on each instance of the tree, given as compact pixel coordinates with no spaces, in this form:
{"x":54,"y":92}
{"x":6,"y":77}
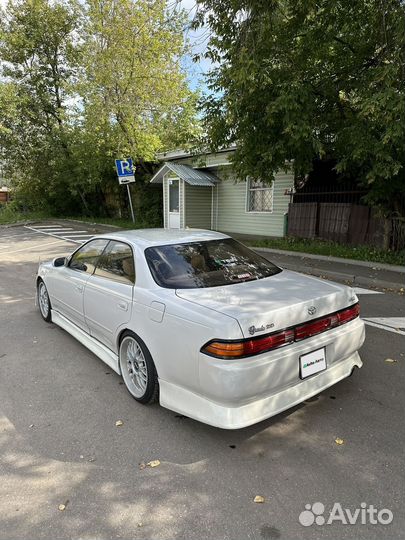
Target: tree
{"x":303,"y":80}
{"x":133,"y":78}
{"x":84,"y":83}
{"x":40,"y":58}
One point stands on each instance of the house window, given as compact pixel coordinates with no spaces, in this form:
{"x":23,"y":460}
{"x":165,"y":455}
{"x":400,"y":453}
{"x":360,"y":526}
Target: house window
{"x":259,"y":196}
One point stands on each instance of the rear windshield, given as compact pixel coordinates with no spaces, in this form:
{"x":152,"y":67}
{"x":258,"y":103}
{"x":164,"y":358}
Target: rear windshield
{"x":206,"y":264}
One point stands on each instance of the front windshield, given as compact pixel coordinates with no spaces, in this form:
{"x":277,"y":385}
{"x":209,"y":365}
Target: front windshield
{"x":206,"y":264}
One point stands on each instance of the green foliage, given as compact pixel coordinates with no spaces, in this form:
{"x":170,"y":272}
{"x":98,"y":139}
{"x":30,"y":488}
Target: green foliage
{"x":304,"y":80}
{"x":40,"y":63}
{"x":83,"y":83}
{"x":133,"y":77}
{"x":14,"y":213}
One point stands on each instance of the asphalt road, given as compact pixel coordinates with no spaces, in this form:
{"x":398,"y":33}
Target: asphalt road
{"x":59,"y":443}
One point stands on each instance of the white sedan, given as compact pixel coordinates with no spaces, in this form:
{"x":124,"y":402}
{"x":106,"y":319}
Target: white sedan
{"x":202,"y":323}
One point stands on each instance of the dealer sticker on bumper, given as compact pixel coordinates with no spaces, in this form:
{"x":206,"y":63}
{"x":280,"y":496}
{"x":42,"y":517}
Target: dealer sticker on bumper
{"x":312,"y":362}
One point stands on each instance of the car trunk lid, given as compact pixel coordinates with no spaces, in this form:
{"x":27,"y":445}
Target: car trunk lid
{"x":274,"y":303}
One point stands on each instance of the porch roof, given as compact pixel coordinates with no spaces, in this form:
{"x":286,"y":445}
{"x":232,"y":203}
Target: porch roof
{"x":194,"y":177}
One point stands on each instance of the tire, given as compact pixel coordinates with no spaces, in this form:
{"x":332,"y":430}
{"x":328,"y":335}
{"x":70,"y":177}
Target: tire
{"x":44,"y":303}
{"x":137,"y":369}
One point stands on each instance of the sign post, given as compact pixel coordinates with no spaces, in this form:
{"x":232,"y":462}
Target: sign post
{"x":125,"y":172}
{"x":130,"y":204}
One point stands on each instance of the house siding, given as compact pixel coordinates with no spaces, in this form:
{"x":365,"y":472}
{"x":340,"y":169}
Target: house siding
{"x":227,"y":200}
{"x":198,"y":207}
{"x":230,"y":213}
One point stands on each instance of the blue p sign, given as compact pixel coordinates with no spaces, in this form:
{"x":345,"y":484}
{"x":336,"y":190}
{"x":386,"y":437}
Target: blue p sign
{"x":124,"y":167}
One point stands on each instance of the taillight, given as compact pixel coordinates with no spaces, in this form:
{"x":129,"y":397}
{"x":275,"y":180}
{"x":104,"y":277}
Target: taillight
{"x":311,"y":329}
{"x":248,"y":347}
{"x":252,"y":346}
{"x":348,"y":314}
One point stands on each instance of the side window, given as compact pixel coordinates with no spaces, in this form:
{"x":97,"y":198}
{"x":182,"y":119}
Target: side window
{"x":117,"y":263}
{"x":85,"y":258}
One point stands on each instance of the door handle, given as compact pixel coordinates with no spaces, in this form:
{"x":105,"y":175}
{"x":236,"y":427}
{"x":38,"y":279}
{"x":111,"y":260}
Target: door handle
{"x":123,"y":306}
{"x":79,"y":288}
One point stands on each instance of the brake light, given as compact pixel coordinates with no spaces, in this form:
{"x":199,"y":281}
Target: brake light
{"x":248,"y":347}
{"x":311,"y":329}
{"x":348,"y":314}
{"x":252,"y":346}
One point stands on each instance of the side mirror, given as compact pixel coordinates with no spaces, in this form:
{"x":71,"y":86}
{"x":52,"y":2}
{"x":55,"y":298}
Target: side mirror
{"x":60,"y":261}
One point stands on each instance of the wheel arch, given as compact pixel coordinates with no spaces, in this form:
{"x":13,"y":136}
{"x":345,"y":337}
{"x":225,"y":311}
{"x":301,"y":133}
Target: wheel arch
{"x":129,"y":330}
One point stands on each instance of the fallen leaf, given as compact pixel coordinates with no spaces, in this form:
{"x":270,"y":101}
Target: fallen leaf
{"x":258,"y":499}
{"x":391,"y":360}
{"x":62,"y":507}
{"x":339,"y":441}
{"x":119,"y":423}
{"x":153,"y":463}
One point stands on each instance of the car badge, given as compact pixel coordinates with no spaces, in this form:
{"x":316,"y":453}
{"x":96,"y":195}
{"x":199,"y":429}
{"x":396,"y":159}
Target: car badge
{"x":253,"y":329}
{"x":312,"y":310}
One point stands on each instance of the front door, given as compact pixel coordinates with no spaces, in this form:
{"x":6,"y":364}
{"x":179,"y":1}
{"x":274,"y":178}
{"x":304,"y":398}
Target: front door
{"x":66,"y":287}
{"x":174,"y":204}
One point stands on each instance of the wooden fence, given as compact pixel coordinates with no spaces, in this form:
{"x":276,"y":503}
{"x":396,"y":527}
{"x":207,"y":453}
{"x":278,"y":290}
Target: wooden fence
{"x":345,"y":223}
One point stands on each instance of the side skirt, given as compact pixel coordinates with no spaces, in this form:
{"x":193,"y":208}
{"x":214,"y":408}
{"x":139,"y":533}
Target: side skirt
{"x":92,"y":344}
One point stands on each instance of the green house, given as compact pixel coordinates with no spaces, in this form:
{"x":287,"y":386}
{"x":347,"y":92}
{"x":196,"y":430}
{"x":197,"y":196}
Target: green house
{"x":202,"y":191}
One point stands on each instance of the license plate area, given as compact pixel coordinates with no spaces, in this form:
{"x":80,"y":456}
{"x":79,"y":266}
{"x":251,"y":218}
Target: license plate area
{"x":312,"y":363}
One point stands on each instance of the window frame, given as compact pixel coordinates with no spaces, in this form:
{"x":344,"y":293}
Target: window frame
{"x":117,"y":280}
{"x":249,"y":189}
{"x":81,"y":247}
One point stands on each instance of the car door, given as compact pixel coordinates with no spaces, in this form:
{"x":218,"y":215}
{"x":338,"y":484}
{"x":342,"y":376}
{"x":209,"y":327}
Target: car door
{"x":108,"y":293}
{"x":66,"y":286}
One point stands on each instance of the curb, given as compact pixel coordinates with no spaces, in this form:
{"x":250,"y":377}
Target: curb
{"x":349,"y":279}
{"x":89,"y":223}
{"x":367,"y":264}
{"x":17,"y":224}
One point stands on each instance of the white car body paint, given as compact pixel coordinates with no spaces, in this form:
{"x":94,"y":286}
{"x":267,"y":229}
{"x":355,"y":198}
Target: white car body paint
{"x":176,"y":324}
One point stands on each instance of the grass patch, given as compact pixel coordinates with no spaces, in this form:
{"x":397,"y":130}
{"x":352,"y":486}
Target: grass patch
{"x":9,"y":215}
{"x":322,"y":247}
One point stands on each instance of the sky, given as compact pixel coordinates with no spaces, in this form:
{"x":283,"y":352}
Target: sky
{"x":198,"y":42}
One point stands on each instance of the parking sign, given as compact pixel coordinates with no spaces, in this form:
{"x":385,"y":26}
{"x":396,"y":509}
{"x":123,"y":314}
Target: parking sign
{"x":125,"y":170}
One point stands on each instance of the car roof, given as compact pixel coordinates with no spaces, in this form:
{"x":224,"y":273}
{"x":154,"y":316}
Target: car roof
{"x":158,"y":237}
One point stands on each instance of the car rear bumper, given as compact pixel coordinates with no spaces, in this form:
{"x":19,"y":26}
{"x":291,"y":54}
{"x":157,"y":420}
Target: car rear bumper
{"x":238,"y":393}
{"x":225,"y":417}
